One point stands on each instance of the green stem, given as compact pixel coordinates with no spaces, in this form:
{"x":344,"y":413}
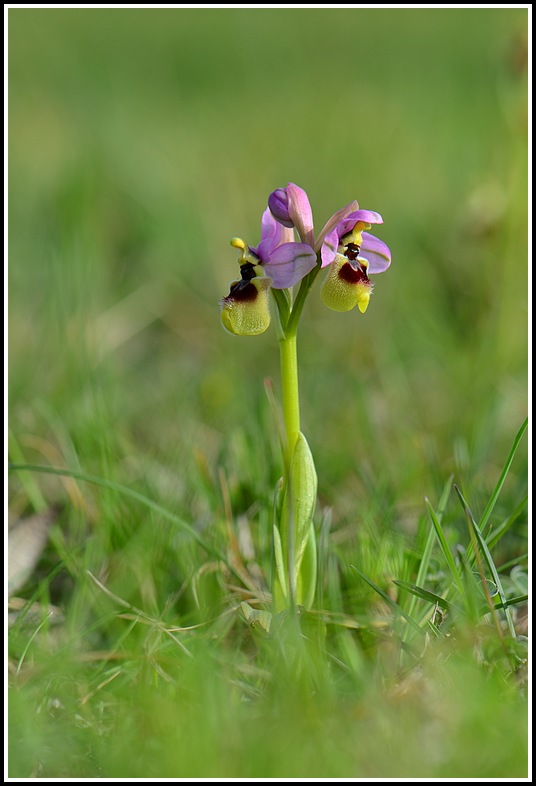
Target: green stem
{"x":290,"y":394}
{"x":289,"y":318}
{"x":282,"y":300}
{"x":294,"y":563}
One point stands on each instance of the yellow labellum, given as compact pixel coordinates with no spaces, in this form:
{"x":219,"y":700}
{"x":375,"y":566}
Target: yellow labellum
{"x":344,"y":287}
{"x":246,"y":311}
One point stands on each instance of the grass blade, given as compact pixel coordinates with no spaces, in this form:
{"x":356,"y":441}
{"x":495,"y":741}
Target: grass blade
{"x":388,"y":600}
{"x":516,"y":561}
{"x":424,"y":594}
{"x":424,"y":565}
{"x":495,"y":535}
{"x":483,"y":546}
{"x":512,"y":602}
{"x":33,"y":492}
{"x":445,"y":548}
{"x":497,"y":490}
{"x":128,"y":492}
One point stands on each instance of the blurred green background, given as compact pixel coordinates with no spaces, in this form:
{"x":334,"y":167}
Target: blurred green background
{"x":140,"y":142}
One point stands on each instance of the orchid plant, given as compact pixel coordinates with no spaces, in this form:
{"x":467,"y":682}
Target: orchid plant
{"x":284,"y":266}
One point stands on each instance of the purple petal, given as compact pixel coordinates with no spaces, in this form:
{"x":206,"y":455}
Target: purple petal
{"x":300,"y":213}
{"x":269,"y":225}
{"x":289,"y":263}
{"x":367,"y":216}
{"x":273,"y":234}
{"x":334,"y":220}
{"x":329,"y":247}
{"x":376,"y":253}
{"x":278,"y":204}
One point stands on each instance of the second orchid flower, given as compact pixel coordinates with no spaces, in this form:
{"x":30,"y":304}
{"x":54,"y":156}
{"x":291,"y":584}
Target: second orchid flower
{"x":280,"y":261}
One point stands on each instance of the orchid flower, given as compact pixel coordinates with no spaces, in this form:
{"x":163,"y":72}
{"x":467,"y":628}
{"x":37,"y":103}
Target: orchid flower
{"x":344,"y":244}
{"x":278,"y":256}
{"x":272,"y":268}
{"x":278,"y":262}
{"x":352,"y":254}
{"x":245,"y":311}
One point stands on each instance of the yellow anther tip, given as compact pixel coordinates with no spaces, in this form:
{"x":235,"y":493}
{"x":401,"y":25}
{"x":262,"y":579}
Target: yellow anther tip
{"x":237,"y":242}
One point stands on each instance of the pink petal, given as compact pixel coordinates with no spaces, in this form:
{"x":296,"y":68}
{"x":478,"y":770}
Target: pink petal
{"x":334,"y":220}
{"x":273,"y":234}
{"x":329,"y":247}
{"x":300,"y":212}
{"x":376,"y":252}
{"x":367,"y":216}
{"x":289,"y":263}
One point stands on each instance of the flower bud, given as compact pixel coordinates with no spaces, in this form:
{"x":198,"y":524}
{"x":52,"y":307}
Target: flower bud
{"x":278,"y":203}
{"x":246,"y":309}
{"x":347,"y":285}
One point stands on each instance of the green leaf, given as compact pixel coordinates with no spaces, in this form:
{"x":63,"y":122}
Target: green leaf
{"x":295,"y":541}
{"x":280,"y":592}
{"x":306,"y":578}
{"x":303,"y":486}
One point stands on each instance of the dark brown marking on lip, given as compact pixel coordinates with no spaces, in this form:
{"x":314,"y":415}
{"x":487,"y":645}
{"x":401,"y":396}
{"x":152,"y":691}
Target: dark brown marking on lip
{"x":349,"y":274}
